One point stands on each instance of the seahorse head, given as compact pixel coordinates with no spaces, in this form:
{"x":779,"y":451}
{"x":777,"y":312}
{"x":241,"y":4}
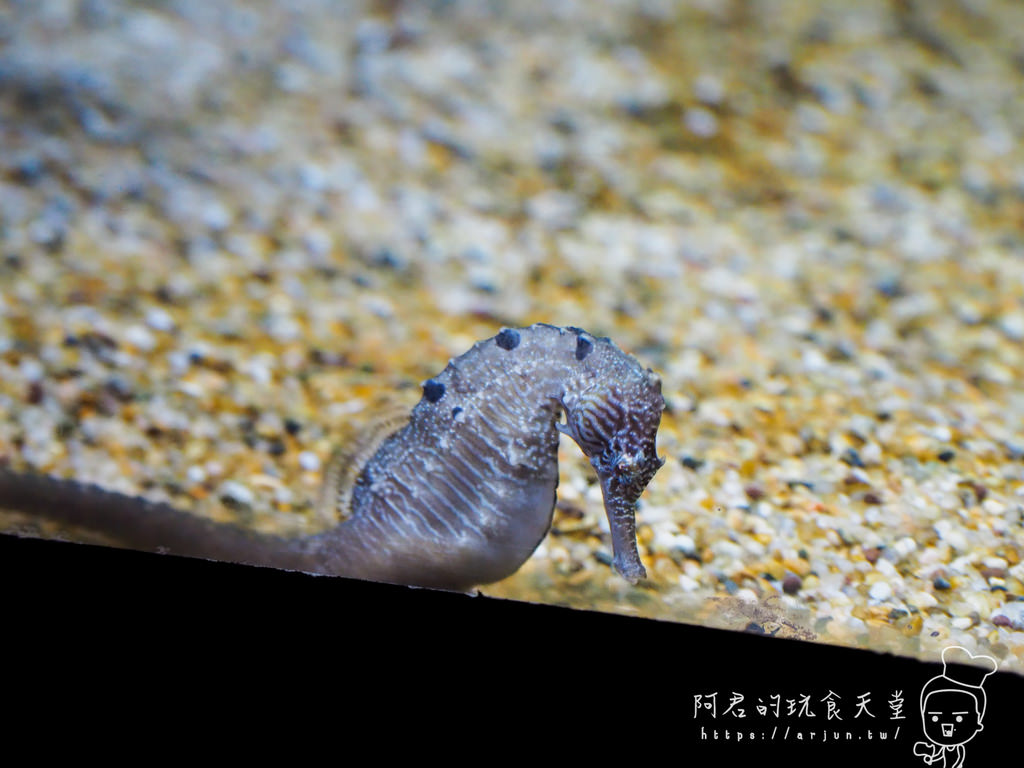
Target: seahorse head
{"x":616,"y":426}
{"x":629,"y":460}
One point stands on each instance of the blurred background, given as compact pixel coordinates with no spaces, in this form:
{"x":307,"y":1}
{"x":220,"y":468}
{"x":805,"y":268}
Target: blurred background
{"x":231,"y":232}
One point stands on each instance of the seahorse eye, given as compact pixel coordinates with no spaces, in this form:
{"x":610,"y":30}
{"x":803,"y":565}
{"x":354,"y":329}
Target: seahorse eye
{"x":609,"y":459}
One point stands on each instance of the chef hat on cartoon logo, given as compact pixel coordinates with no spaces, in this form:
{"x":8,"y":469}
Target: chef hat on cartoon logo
{"x":962,"y":671}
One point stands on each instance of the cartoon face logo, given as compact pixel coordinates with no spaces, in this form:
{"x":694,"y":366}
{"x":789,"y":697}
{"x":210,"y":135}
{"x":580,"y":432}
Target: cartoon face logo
{"x":952,"y":706}
{"x":951,"y":717}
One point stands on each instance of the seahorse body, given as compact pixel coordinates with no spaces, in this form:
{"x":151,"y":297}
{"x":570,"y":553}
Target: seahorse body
{"x":461,"y":495}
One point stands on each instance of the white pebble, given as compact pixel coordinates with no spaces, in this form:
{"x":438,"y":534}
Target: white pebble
{"x":708,"y":89}
{"x":857,"y":625}
{"x":216,"y":215}
{"x":904,"y":546}
{"x":139,"y":337}
{"x":814,"y":360}
{"x":961,"y":622}
{"x":939,"y":554}
{"x":951,"y":535}
{"x":317,"y":242}
{"x":259,"y":370}
{"x":880,"y":591}
{"x":159,"y":320}
{"x":685,"y":544}
{"x":192,"y":389}
{"x":237,"y":491}
{"x":958,"y":541}
{"x":1013,"y":325}
{"x":31,"y":369}
{"x":663,"y":540}
{"x":811,"y":118}
{"x":993,"y":507}
{"x":886,"y":568}
{"x":962,"y":565}
{"x":179,"y":362}
{"x":554,"y":209}
{"x":700,"y":122}
{"x":580,"y":552}
{"x":687,"y":584}
{"x":727,"y":548}
{"x":754,"y":548}
{"x":923,"y":599}
{"x":195,"y":474}
{"x":309,"y":461}
{"x":871,"y":454}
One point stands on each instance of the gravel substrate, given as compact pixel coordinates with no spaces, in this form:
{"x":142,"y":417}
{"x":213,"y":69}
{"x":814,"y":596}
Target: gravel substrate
{"x":231,"y":231}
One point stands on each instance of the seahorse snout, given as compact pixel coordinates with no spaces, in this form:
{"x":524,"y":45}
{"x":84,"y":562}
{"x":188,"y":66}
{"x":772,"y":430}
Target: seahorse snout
{"x":621,"y":512}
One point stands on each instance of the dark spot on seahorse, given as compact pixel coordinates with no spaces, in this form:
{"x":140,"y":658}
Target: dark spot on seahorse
{"x":456,"y":411}
{"x":507,"y":339}
{"x":584,"y":347}
{"x":433,"y":390}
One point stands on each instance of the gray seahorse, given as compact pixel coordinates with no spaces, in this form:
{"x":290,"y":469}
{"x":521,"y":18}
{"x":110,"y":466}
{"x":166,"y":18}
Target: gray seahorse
{"x":459,"y":494}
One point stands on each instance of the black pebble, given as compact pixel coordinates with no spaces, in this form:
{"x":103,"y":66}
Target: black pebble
{"x":456,"y":411}
{"x":691,"y":463}
{"x":29,"y":170}
{"x":851,"y":457}
{"x":292,"y":427}
{"x":433,"y":390}
{"x":941,"y":583}
{"x":584,"y":347}
{"x":791,"y":584}
{"x":119,"y":389}
{"x":507,"y":339}
{"x":35,"y":393}
{"x":947,"y":456}
{"x":891,"y":289}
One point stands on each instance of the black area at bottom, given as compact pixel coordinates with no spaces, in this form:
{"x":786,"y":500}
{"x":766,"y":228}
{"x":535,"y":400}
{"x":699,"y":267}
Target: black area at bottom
{"x":181,"y":642}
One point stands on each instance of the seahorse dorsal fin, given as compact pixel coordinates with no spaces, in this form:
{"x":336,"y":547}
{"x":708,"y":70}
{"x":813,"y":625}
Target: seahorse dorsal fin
{"x":334,"y":503}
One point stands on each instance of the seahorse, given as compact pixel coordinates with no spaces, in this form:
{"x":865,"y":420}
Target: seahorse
{"x":456,"y":495}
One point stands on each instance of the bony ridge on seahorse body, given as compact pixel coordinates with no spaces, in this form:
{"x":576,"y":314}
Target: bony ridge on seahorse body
{"x":457,"y":495}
